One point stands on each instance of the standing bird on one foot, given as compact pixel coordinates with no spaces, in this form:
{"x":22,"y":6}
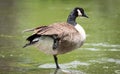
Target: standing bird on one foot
{"x":59,"y":38}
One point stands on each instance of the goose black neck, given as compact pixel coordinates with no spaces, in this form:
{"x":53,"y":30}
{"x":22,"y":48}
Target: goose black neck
{"x":72,"y":19}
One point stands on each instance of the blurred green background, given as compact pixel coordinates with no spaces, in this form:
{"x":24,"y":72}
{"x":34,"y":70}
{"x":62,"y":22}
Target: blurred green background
{"x":99,"y":55}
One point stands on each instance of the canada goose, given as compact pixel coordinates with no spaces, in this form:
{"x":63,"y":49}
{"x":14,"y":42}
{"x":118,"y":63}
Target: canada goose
{"x":59,"y":38}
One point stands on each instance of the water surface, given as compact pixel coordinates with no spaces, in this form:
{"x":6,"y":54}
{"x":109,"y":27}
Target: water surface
{"x":99,"y":55}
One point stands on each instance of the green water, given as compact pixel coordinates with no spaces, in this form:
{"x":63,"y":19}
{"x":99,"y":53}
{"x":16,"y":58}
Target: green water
{"x":99,"y":55}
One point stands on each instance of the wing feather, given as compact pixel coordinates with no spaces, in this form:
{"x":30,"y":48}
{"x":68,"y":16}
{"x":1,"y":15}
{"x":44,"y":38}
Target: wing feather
{"x":59,"y":29}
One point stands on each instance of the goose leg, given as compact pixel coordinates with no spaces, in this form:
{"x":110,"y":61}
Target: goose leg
{"x":55,"y":44}
{"x":56,"y":61}
{"x":55,"y":41}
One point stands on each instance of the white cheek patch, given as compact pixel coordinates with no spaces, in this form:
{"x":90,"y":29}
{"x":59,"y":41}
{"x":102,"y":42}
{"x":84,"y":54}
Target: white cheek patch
{"x":79,"y":12}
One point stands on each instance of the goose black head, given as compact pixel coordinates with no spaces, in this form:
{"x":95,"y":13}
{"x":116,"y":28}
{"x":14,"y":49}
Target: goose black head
{"x":74,"y":14}
{"x":79,"y":12}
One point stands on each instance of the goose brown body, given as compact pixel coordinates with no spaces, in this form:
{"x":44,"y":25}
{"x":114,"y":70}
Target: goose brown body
{"x":69,"y":37}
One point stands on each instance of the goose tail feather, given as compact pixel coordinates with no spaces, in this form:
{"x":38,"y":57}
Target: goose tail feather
{"x":28,"y":30}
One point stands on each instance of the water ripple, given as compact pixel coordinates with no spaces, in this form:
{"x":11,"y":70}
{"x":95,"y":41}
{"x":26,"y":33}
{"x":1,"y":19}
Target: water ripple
{"x":106,"y":60}
{"x":103,"y":45}
{"x":73,"y":64}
